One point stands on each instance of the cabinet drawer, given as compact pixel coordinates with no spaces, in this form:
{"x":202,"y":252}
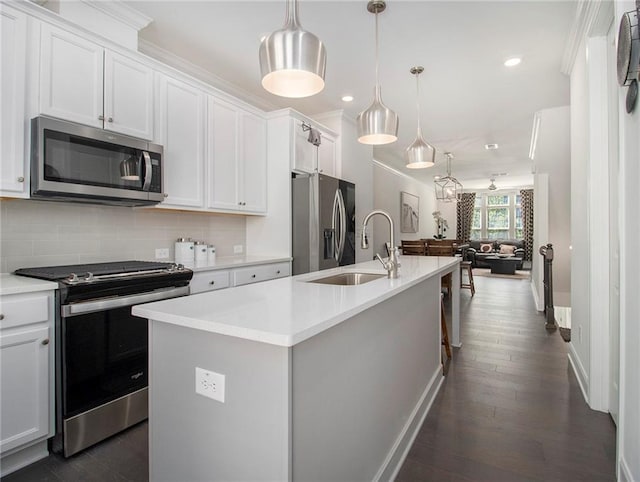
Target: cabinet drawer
{"x":24,"y":309}
{"x":208,"y":281}
{"x":253,"y":274}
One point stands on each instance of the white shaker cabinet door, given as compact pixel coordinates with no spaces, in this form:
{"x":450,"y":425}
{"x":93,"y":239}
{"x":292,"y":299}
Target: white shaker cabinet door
{"x":71,"y":77}
{"x":24,"y":371}
{"x":327,"y":156}
{"x":180,"y":130}
{"x":13,"y":41}
{"x":223,"y":156}
{"x":254,"y":163}
{"x":128,"y":96}
{"x":304,"y":158}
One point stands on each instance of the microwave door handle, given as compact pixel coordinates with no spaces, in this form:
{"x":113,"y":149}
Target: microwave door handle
{"x":148,"y":171}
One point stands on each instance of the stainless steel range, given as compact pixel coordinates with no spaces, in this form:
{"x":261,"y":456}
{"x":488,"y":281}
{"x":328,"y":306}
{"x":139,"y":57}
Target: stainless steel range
{"x":101,"y":348}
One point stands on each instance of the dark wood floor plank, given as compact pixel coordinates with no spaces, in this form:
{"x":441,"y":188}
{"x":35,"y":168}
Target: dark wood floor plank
{"x":510,"y":408}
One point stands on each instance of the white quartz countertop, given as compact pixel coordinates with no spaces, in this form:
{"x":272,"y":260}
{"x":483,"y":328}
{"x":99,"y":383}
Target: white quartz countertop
{"x":227,"y":262}
{"x":287,"y":311}
{"x":11,"y":284}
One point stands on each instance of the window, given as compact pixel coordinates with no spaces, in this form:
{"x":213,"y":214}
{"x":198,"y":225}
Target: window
{"x":497,"y":216}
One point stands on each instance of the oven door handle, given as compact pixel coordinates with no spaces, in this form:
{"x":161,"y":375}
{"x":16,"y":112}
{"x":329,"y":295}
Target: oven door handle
{"x":107,"y":304}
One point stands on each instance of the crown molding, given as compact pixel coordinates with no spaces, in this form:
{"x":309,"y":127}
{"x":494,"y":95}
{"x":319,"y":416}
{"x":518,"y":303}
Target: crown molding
{"x":394,"y":171}
{"x":592,"y":18}
{"x":121,"y":12}
{"x":184,"y":66}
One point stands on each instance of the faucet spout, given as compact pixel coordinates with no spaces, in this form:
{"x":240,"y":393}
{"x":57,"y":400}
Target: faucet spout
{"x":392,"y":265}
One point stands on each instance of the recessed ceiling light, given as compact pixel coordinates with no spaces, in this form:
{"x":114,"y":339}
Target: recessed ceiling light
{"x":347,"y":98}
{"x":512,"y":62}
{"x":490,"y":147}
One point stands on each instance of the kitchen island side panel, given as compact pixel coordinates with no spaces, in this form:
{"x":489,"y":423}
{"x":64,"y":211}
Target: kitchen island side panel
{"x":195,"y":438}
{"x":357,"y":385}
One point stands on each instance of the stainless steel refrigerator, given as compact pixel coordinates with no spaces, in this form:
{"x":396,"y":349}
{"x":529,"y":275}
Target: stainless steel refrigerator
{"x":324,"y":223}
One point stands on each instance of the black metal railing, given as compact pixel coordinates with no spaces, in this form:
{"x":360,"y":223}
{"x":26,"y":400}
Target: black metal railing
{"x":547,"y":282}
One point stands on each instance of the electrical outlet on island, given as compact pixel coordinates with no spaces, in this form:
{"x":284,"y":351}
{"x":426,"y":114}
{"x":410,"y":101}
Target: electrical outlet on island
{"x":210,"y":384}
{"x":238,"y":249}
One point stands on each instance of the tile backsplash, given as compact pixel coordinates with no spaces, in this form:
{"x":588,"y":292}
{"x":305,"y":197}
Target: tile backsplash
{"x":41,"y":233}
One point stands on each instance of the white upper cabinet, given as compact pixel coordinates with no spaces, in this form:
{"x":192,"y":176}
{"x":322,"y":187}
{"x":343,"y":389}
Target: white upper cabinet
{"x":308,"y":158}
{"x":253,"y":149}
{"x":327,"y":154}
{"x":128,"y":96}
{"x":180,"y":126}
{"x":224,"y":158}
{"x":14,"y":174}
{"x":237,"y":159}
{"x":83,"y":82}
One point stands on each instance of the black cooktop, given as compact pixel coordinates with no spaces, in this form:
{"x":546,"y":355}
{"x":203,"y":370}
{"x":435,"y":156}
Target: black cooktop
{"x":55,"y":273}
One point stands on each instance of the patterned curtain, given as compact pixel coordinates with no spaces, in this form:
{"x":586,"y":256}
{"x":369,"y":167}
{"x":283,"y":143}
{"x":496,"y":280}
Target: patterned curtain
{"x":526,"y":201}
{"x":465,"y":215}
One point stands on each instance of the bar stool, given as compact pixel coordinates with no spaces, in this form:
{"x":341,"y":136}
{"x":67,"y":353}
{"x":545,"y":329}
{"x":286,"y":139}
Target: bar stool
{"x":443,"y":327}
{"x":466,"y":266}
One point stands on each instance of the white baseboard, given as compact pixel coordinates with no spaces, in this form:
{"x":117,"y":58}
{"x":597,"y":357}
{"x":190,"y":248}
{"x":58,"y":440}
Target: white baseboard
{"x":580,"y":372}
{"x":624,"y":473}
{"x":398,"y":453}
{"x":536,"y":298}
{"x":23,"y":457}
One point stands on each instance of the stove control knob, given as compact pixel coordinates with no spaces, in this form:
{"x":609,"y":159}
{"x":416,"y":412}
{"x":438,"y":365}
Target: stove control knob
{"x":180,"y":266}
{"x":72,"y":278}
{"x":172,"y":267}
{"x":89,"y":277}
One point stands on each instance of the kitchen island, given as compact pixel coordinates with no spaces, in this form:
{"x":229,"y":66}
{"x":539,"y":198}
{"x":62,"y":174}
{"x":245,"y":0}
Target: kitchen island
{"x":321,"y":381}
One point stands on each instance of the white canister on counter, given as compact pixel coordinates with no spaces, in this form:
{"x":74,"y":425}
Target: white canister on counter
{"x":184,"y":253}
{"x":211,"y":255}
{"x":200,"y":248}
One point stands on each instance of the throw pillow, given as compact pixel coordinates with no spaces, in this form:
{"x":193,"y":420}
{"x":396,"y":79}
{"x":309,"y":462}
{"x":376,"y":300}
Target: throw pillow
{"x":486,"y":248}
{"x":507,"y":249}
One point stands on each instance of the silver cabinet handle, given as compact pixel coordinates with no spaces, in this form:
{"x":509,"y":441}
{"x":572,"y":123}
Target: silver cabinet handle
{"x":101,"y":117}
{"x":253,"y":275}
{"x":212,"y":282}
{"x":166,"y":195}
{"x":1,"y":317}
{"x":110,"y":119}
{"x":278,"y":272}
{"x":45,"y":341}
{"x":21,"y":179}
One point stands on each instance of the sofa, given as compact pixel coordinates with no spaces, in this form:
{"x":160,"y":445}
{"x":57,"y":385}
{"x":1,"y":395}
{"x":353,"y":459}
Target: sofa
{"x":479,"y":249}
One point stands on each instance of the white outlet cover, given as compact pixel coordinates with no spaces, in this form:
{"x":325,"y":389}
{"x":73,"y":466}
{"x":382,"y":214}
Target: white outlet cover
{"x":162,"y":253}
{"x":210,"y":384}
{"x":237,"y":249}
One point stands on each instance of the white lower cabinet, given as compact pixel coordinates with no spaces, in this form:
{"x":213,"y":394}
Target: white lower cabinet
{"x":254,"y":274}
{"x":208,"y":281}
{"x":218,"y":279}
{"x":26,"y":377}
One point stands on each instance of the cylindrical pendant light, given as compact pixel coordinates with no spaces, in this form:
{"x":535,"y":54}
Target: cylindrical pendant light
{"x":292,"y":61}
{"x":420,"y":154}
{"x":378,"y":124}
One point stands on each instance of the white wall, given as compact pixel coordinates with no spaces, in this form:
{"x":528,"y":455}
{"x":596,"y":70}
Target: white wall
{"x":41,"y":233}
{"x":580,"y":316}
{"x":553,"y":157}
{"x":540,"y":235}
{"x":629,"y":420}
{"x":388,"y":184}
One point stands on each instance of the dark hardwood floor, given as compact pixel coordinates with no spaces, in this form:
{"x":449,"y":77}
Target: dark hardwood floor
{"x":510,"y":409}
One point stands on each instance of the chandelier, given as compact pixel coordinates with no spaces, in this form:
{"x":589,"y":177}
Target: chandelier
{"x":448,"y":188}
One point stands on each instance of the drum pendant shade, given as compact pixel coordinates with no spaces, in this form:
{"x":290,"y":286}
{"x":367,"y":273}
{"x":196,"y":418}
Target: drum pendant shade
{"x":292,"y":60}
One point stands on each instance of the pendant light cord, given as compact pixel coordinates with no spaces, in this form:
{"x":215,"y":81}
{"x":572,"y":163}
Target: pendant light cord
{"x":377,"y":78}
{"x":418,"y":100}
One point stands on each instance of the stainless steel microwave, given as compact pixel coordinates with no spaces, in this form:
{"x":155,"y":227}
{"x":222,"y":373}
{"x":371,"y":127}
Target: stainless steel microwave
{"x":73,"y":162}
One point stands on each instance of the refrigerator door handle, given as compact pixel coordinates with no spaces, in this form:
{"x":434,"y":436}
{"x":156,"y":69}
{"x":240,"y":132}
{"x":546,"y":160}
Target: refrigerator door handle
{"x":335,"y":220}
{"x":343,"y":225}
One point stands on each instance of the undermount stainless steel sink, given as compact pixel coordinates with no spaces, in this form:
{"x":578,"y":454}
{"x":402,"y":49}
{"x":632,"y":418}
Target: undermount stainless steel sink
{"x":348,"y":279}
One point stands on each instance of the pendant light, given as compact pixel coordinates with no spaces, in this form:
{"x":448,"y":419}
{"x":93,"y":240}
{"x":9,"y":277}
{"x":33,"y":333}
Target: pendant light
{"x":448,"y":188}
{"x":378,"y":124}
{"x":292,"y":60}
{"x":420,"y":154}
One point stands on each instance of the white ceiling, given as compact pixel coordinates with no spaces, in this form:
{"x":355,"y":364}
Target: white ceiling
{"x":468,"y":97}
